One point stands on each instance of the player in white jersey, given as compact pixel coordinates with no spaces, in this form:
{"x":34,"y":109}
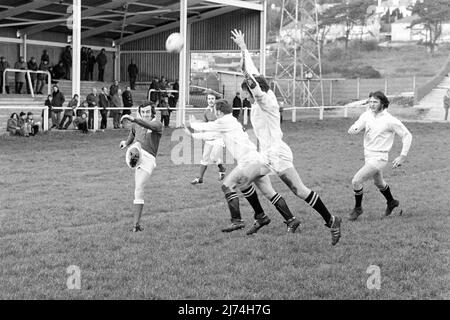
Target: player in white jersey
{"x":265,"y":118}
{"x":142,"y":142}
{"x":380,"y":128}
{"x":213,"y":150}
{"x":251,"y":169}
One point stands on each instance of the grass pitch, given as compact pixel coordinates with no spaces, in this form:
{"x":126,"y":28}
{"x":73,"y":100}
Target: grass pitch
{"x":66,"y":199}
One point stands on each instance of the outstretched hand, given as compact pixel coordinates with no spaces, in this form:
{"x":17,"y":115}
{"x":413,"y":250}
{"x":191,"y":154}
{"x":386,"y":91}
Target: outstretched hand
{"x":238,"y":38}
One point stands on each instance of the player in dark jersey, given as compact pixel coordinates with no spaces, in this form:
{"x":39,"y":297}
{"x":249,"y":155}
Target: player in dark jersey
{"x":142,"y":142}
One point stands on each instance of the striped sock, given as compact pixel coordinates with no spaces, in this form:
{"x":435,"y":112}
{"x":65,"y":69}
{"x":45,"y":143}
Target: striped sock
{"x":279,"y":203}
{"x":314,"y":201}
{"x":358,"y":197}
{"x":233,"y":205}
{"x":386,"y":191}
{"x":252,"y":197}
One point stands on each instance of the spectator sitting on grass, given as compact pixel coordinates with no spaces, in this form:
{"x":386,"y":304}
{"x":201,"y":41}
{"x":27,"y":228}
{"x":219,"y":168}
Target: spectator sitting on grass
{"x":25,"y":128}
{"x":34,"y":125}
{"x":13,"y":125}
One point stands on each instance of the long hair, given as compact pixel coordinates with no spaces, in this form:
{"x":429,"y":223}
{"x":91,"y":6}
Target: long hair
{"x":384,"y":101}
{"x":148,"y":103}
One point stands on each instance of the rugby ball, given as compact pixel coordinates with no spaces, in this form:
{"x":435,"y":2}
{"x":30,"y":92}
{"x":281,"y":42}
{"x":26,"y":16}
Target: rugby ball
{"x":174,"y":43}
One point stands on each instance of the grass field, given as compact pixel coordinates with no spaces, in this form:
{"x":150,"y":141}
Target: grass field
{"x":66,"y":198}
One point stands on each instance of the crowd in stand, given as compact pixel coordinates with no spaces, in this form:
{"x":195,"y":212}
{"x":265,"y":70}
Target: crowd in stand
{"x":60,"y":70}
{"x":160,"y":93}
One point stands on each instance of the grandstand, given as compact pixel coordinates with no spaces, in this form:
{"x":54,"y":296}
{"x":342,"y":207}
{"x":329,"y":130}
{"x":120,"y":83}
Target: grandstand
{"x":126,"y":30}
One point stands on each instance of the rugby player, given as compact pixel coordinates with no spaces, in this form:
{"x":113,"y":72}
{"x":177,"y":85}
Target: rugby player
{"x":380,"y":129}
{"x":143,"y":142}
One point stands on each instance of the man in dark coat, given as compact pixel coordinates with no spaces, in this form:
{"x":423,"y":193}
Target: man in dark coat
{"x":132,"y":73}
{"x":32,"y":65}
{"x":237,"y":105}
{"x":57,"y":102}
{"x":3,"y":65}
{"x":127,"y":101}
{"x":104,"y":104}
{"x":101,"y":61}
{"x":66,"y":59}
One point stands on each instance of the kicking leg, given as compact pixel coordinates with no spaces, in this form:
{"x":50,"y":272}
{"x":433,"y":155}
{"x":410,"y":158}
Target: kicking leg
{"x":291,"y":178}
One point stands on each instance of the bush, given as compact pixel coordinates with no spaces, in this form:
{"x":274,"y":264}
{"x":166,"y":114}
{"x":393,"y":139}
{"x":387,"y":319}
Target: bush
{"x":371,"y":45}
{"x":365,"y":72}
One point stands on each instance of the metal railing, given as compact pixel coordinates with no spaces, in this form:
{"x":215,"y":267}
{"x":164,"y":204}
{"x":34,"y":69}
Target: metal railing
{"x":28,"y":78}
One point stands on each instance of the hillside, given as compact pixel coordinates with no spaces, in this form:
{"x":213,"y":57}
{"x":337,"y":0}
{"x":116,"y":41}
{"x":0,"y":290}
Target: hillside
{"x":403,"y":61}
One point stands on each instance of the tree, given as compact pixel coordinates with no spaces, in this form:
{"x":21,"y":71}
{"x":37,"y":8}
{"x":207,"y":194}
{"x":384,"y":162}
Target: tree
{"x":349,"y":13}
{"x":431,"y":14}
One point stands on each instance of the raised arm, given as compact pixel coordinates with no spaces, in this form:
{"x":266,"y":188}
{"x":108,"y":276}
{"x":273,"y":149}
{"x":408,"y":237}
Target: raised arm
{"x":247,"y":65}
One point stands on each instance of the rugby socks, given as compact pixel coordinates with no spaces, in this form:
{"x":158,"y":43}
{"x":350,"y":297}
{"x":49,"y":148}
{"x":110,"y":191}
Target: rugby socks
{"x":358,"y":197}
{"x":233,"y":205}
{"x":202,"y":171}
{"x":386,"y":191}
{"x":252,"y":197}
{"x":279,"y":203}
{"x":314,"y":201}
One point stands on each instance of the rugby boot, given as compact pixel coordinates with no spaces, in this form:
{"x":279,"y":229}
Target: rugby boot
{"x":292,"y":224}
{"x":235,"y":225}
{"x":197,"y":181}
{"x":390,"y":206}
{"x":335,"y":229}
{"x":258,"y":224}
{"x":356,"y":212}
{"x":137,"y":228}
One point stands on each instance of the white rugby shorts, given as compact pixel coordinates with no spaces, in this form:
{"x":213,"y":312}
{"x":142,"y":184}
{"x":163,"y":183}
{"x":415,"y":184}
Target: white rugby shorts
{"x":376,"y":159}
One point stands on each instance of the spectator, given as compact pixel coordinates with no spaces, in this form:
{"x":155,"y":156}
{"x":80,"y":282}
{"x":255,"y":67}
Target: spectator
{"x":25,"y":128}
{"x":172,"y":102}
{"x":176,"y":87}
{"x":59,"y":72}
{"x":113,"y":88}
{"x":69,"y":112}
{"x":281,"y":112}
{"x":48,"y":103}
{"x":446,"y":104}
{"x":42,"y":79}
{"x":127,"y":100}
{"x":32,"y":65}
{"x":101,"y":61}
{"x":20,"y":76}
{"x":84,"y":63}
{"x":3,"y":65}
{"x":104,"y":104}
{"x":90,"y":65}
{"x":237,"y":105}
{"x":13,"y":125}
{"x":33,"y":125}
{"x":66,"y":59}
{"x":165,"y":110}
{"x":154,"y":86}
{"x":81,"y":122}
{"x":45,"y":57}
{"x":248,"y":105}
{"x":92,"y":100}
{"x":117,"y":103}
{"x":57,"y":103}
{"x":132,"y":73}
